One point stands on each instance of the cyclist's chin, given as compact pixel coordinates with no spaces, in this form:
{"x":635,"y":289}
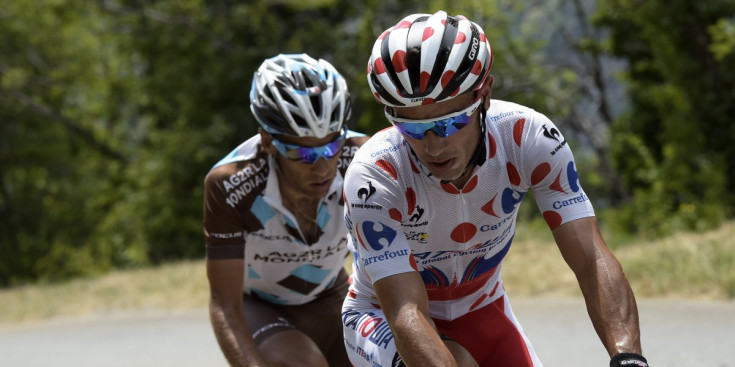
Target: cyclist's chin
{"x":448,"y":176}
{"x":319,"y":188}
{"x":446,"y":173}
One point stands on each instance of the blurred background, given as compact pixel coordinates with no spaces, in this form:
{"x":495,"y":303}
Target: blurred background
{"x":113,"y":111}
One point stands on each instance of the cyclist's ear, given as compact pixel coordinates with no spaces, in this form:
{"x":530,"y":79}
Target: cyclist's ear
{"x":266,"y":141}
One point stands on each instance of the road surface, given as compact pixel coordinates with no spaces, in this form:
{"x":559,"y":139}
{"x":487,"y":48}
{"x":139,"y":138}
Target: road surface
{"x":675,"y":333}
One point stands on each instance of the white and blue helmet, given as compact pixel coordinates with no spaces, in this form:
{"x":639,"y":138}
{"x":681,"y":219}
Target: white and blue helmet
{"x":297,"y":95}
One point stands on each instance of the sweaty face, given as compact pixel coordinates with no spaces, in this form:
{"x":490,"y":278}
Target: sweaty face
{"x":446,"y":158}
{"x":310,"y":179}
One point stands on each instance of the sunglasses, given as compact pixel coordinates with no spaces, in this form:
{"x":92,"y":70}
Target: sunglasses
{"x":310,"y":155}
{"x":443,"y":126}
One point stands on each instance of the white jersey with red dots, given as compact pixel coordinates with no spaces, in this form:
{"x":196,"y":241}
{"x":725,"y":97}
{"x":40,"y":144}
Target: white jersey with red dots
{"x":402,"y":219}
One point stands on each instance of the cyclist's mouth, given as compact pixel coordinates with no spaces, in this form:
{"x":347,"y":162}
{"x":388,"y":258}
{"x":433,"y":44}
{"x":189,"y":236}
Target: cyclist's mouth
{"x":441,"y":165}
{"x":322,"y":185}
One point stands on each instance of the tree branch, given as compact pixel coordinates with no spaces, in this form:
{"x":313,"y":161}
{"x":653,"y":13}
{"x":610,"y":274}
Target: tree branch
{"x":84,"y":134}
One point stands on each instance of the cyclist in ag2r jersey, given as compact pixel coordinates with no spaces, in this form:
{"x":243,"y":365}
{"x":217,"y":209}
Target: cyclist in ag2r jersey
{"x":431,"y":204}
{"x":276,"y":241}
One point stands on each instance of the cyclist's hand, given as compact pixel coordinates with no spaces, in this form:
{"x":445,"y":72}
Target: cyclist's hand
{"x":628,"y":360}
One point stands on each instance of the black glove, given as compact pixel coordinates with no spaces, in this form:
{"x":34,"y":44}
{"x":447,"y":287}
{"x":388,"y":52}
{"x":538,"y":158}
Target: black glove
{"x":628,"y":360}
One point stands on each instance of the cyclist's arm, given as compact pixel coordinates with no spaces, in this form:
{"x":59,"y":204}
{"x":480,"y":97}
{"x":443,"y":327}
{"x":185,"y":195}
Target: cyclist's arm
{"x":607,"y":293}
{"x":226,"y":313}
{"x":406,"y":306}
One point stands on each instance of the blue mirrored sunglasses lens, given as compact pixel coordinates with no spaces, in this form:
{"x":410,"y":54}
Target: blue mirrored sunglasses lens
{"x":310,"y":154}
{"x":443,"y":128}
{"x":415,"y":131}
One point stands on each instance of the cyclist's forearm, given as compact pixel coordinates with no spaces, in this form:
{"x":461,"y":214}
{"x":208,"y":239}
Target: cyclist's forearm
{"x":233,"y":336}
{"x":418,"y":342}
{"x":612,"y":306}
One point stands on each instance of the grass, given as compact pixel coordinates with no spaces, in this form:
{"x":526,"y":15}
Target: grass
{"x":175,"y":286}
{"x":686,"y":265}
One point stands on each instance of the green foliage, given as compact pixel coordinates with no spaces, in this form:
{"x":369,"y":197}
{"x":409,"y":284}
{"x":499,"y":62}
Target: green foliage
{"x":59,"y":157}
{"x":113,"y":112}
{"x":723,"y":39}
{"x":674,"y":147}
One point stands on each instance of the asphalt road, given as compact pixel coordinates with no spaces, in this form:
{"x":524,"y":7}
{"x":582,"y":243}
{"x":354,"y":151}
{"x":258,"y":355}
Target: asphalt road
{"x":675,"y":333}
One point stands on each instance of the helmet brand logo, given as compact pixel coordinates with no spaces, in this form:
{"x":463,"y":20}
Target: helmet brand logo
{"x":313,"y":91}
{"x":473,"y":48}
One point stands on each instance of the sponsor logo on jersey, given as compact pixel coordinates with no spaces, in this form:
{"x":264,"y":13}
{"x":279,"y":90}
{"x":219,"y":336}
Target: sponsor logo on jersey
{"x":554,"y":134}
{"x":274,"y":237}
{"x":390,"y":149}
{"x":225,"y":235}
{"x":244,"y":181}
{"x":417,"y":215}
{"x":369,"y":325}
{"x":363,"y":354}
{"x":573,"y":201}
{"x":243,"y":175}
{"x":366,"y":206}
{"x":420,"y":224}
{"x":366,"y":192}
{"x":573,"y":177}
{"x":384,"y":256}
{"x":349,"y":345}
{"x":493,"y":227}
{"x":378,"y":235}
{"x":499,"y":116}
{"x":302,"y":256}
{"x":419,"y":237}
{"x":510,"y":199}
{"x":347,"y":153}
{"x":429,"y":257}
{"x":414,"y":220}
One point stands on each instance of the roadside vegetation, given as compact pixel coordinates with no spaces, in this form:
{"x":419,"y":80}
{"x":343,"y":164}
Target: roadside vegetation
{"x":114,"y":111}
{"x":684,"y":265}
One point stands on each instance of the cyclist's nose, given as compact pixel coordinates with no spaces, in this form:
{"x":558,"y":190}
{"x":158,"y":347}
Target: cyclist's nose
{"x":433,"y":143}
{"x":321,"y":166}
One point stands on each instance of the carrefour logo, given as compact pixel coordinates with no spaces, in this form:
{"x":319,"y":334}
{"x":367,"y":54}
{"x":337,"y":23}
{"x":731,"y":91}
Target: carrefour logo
{"x":572,"y":176}
{"x":378,"y":235}
{"x":576,"y":200}
{"x":510,"y":199}
{"x":384,"y":256}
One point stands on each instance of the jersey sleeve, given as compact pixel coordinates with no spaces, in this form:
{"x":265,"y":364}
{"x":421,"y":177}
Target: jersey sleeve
{"x":374,"y":206}
{"x":549,"y":169}
{"x":224,"y":233}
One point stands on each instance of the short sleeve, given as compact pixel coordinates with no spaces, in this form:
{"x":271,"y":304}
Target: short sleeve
{"x":374,"y":206}
{"x":223,"y":230}
{"x":551,"y":172}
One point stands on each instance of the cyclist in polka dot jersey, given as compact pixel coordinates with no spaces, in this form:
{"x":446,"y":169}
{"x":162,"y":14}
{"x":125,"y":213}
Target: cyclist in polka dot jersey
{"x":431,"y":204}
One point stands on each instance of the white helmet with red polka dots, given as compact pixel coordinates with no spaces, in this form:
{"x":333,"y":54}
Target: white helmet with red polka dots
{"x":427,"y":59}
